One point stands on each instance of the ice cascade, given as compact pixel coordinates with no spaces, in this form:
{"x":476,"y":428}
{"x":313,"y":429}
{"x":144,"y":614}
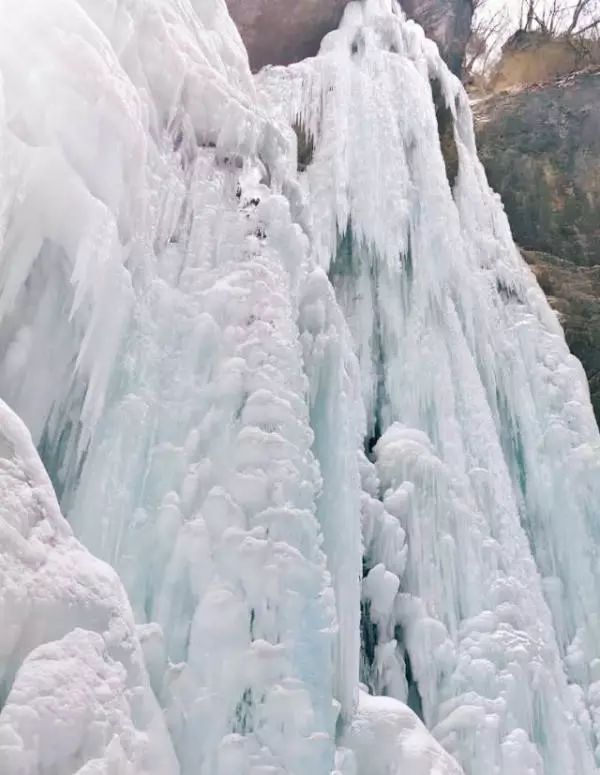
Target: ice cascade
{"x":292,"y":380}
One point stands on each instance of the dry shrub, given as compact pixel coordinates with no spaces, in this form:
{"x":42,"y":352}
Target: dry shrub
{"x":535,"y":58}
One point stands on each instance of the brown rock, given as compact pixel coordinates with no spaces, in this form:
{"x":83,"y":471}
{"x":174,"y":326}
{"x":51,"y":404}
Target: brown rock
{"x":279,"y":32}
{"x":540,"y":146}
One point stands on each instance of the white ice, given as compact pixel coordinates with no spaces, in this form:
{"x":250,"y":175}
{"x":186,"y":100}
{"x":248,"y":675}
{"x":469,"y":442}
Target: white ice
{"x":490,"y":456}
{"x":74,"y":690}
{"x":202,"y":340}
{"x":387,"y":738}
{"x":159,"y":303}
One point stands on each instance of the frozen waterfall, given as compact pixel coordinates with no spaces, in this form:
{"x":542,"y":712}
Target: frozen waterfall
{"x":292,"y":380}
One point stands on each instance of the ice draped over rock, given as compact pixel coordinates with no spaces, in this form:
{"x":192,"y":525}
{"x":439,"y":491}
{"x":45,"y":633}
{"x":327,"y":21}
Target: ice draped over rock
{"x":314,"y":411}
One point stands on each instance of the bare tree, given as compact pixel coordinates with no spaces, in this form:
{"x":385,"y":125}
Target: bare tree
{"x":557,"y":18}
{"x":490,"y":27}
{"x":585,"y":18}
{"x":577,"y":23}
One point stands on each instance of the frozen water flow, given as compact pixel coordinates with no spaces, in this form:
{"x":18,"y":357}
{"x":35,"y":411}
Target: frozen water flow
{"x":489,"y":458}
{"x":316,"y":413}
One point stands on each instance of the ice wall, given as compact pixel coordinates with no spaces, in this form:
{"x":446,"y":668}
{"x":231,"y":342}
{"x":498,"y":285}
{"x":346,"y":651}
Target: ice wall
{"x":254,"y":377}
{"x":153,"y":286}
{"x":485,"y":447}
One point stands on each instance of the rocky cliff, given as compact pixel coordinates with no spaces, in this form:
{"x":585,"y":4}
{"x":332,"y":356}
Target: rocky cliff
{"x":541,"y":149}
{"x":282,"y":31}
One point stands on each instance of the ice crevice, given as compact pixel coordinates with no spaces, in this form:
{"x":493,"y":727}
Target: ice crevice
{"x":297,"y":390}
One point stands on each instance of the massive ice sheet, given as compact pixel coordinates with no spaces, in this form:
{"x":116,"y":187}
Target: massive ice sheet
{"x":74,"y":692}
{"x":153,"y":278}
{"x":489,"y":459}
{"x":200,"y":340}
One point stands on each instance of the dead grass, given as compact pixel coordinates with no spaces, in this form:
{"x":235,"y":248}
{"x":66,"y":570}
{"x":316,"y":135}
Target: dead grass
{"x":537,"y":59}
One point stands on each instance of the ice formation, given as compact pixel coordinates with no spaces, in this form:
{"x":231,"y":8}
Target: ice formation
{"x":385,"y":736}
{"x":74,"y":689}
{"x":292,"y":380}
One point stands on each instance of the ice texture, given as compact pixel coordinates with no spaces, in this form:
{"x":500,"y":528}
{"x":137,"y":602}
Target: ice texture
{"x":314,"y":411}
{"x":74,"y":690}
{"x":175,"y":422}
{"x":387,"y":738}
{"x":485,"y":447}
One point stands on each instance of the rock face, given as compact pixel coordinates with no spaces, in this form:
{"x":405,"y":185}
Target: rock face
{"x":278,"y":32}
{"x":541,"y":150}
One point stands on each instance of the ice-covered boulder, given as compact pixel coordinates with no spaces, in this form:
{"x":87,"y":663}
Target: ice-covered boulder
{"x":74,"y":691}
{"x":388,"y":738}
